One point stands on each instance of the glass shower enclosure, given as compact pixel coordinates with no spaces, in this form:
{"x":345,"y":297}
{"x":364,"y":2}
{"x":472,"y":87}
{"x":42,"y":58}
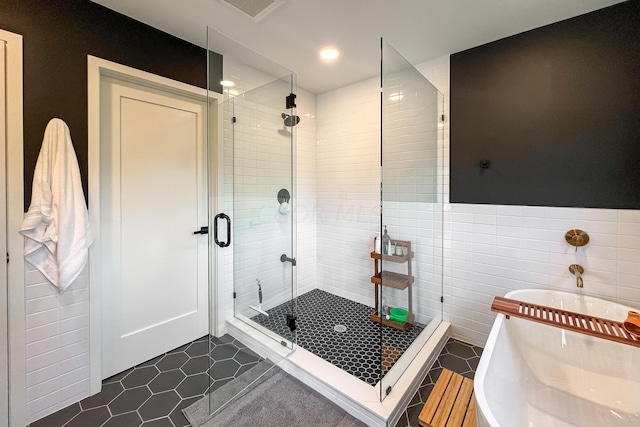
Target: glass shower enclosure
{"x":409,"y":275}
{"x":256,"y":257}
{"x":256,"y":271}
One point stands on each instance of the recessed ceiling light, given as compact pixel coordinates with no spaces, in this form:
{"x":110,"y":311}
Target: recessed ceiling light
{"x":227,"y":83}
{"x":329,"y":53}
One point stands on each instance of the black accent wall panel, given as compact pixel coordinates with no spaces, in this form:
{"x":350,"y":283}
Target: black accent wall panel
{"x":57,"y":37}
{"x":550,"y":117}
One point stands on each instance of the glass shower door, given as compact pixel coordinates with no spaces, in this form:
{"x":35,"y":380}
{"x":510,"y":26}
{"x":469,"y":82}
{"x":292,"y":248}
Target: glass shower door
{"x":263,"y":126}
{"x":411,"y":199}
{"x":254,"y":263}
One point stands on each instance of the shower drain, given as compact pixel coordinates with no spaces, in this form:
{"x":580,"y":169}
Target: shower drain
{"x":340,"y":328}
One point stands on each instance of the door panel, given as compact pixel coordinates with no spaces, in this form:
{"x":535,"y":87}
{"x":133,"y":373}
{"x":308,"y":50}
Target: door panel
{"x":4,"y":345}
{"x":155,"y":296}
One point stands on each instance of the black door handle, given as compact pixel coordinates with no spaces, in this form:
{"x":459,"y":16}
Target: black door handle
{"x":203,"y":230}
{"x":215,"y":230}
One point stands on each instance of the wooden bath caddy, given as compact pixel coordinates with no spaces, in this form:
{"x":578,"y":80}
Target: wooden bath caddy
{"x":393,"y":280}
{"x":590,"y":325}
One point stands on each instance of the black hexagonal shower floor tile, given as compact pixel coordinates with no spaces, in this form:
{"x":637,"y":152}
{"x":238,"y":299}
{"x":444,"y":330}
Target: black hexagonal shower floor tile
{"x":319,"y":313}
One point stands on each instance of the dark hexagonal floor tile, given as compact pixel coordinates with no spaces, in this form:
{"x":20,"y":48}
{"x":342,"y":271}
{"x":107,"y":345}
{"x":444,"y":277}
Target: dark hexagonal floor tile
{"x":224,"y":369}
{"x":140,"y":376}
{"x":129,"y":400}
{"x":194,"y":385}
{"x":150,"y":362}
{"x":225,"y":351}
{"x":167,"y":381}
{"x":179,"y":349}
{"x":159,"y":405}
{"x":196,"y":365}
{"x":454,"y":363}
{"x":199,"y":348}
{"x":58,"y":419}
{"x":107,"y":394}
{"x":473,"y":363}
{"x":172,"y":361}
{"x":130,"y":419}
{"x":245,"y":368}
{"x":412,"y":414}
{"x":225,"y":339}
{"x":91,"y":417}
{"x":459,"y":349}
{"x":245,"y":356}
{"x":162,"y":422}
{"x":425,"y":391}
{"x":218,"y":383}
{"x":403,"y":422}
{"x":117,"y":377}
{"x":417,"y":398}
{"x":177,"y":416}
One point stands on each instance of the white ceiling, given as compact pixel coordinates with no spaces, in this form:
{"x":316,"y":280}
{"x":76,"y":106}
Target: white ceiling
{"x":293,"y":34}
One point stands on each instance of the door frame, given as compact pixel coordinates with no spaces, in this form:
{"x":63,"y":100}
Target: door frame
{"x":17,"y":355}
{"x":96,"y":69}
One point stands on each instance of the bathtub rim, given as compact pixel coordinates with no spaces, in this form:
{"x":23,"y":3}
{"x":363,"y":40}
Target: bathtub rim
{"x":483,"y":409}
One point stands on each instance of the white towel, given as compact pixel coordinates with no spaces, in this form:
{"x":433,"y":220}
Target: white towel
{"x":56,"y":226}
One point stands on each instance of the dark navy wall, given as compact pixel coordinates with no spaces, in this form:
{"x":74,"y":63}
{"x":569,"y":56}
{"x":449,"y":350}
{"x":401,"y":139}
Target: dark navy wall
{"x":58,"y":35}
{"x":556,"y":113}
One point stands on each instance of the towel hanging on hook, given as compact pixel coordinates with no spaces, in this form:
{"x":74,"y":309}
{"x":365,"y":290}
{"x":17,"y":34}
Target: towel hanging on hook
{"x":56,"y":226}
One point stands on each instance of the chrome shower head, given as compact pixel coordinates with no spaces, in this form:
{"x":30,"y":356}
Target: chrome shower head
{"x":290,"y":120}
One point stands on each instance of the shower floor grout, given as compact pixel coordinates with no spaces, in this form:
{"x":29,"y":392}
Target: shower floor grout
{"x":341,"y":332}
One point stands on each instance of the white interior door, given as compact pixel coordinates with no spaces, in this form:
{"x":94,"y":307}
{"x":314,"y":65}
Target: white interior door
{"x":4,"y":345}
{"x":153,"y":197}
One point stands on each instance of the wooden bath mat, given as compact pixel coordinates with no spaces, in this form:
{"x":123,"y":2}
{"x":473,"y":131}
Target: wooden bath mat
{"x":590,"y":325}
{"x":451,"y":403}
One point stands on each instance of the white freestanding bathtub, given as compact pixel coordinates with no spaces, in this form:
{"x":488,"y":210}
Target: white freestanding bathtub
{"x":536,"y":375}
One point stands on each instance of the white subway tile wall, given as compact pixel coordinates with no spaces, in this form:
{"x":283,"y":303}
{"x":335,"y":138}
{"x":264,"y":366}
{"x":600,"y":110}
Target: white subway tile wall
{"x":57,"y":338}
{"x":348,"y":189}
{"x":257,"y":164}
{"x":348,"y":196}
{"x":262,"y":159}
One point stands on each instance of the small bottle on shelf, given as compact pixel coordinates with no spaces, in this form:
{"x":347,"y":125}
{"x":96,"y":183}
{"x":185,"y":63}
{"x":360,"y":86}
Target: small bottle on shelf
{"x":386,"y":242}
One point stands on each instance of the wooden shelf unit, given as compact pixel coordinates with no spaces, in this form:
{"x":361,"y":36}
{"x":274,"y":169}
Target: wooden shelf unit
{"x":393,"y":280}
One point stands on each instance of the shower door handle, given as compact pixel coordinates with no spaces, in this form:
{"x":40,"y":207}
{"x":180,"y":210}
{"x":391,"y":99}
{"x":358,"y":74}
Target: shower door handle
{"x":215,"y":230}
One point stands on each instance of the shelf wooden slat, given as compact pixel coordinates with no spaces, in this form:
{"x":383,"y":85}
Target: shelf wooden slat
{"x":392,"y":258}
{"x":590,"y":325}
{"x":391,"y":279}
{"x":396,"y":325}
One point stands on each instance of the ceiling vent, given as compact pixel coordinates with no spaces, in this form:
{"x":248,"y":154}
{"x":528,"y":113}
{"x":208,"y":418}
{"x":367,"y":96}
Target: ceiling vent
{"x":255,"y":9}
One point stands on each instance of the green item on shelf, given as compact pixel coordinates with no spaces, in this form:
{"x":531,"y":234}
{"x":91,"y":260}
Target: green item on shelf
{"x":398,"y":314}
